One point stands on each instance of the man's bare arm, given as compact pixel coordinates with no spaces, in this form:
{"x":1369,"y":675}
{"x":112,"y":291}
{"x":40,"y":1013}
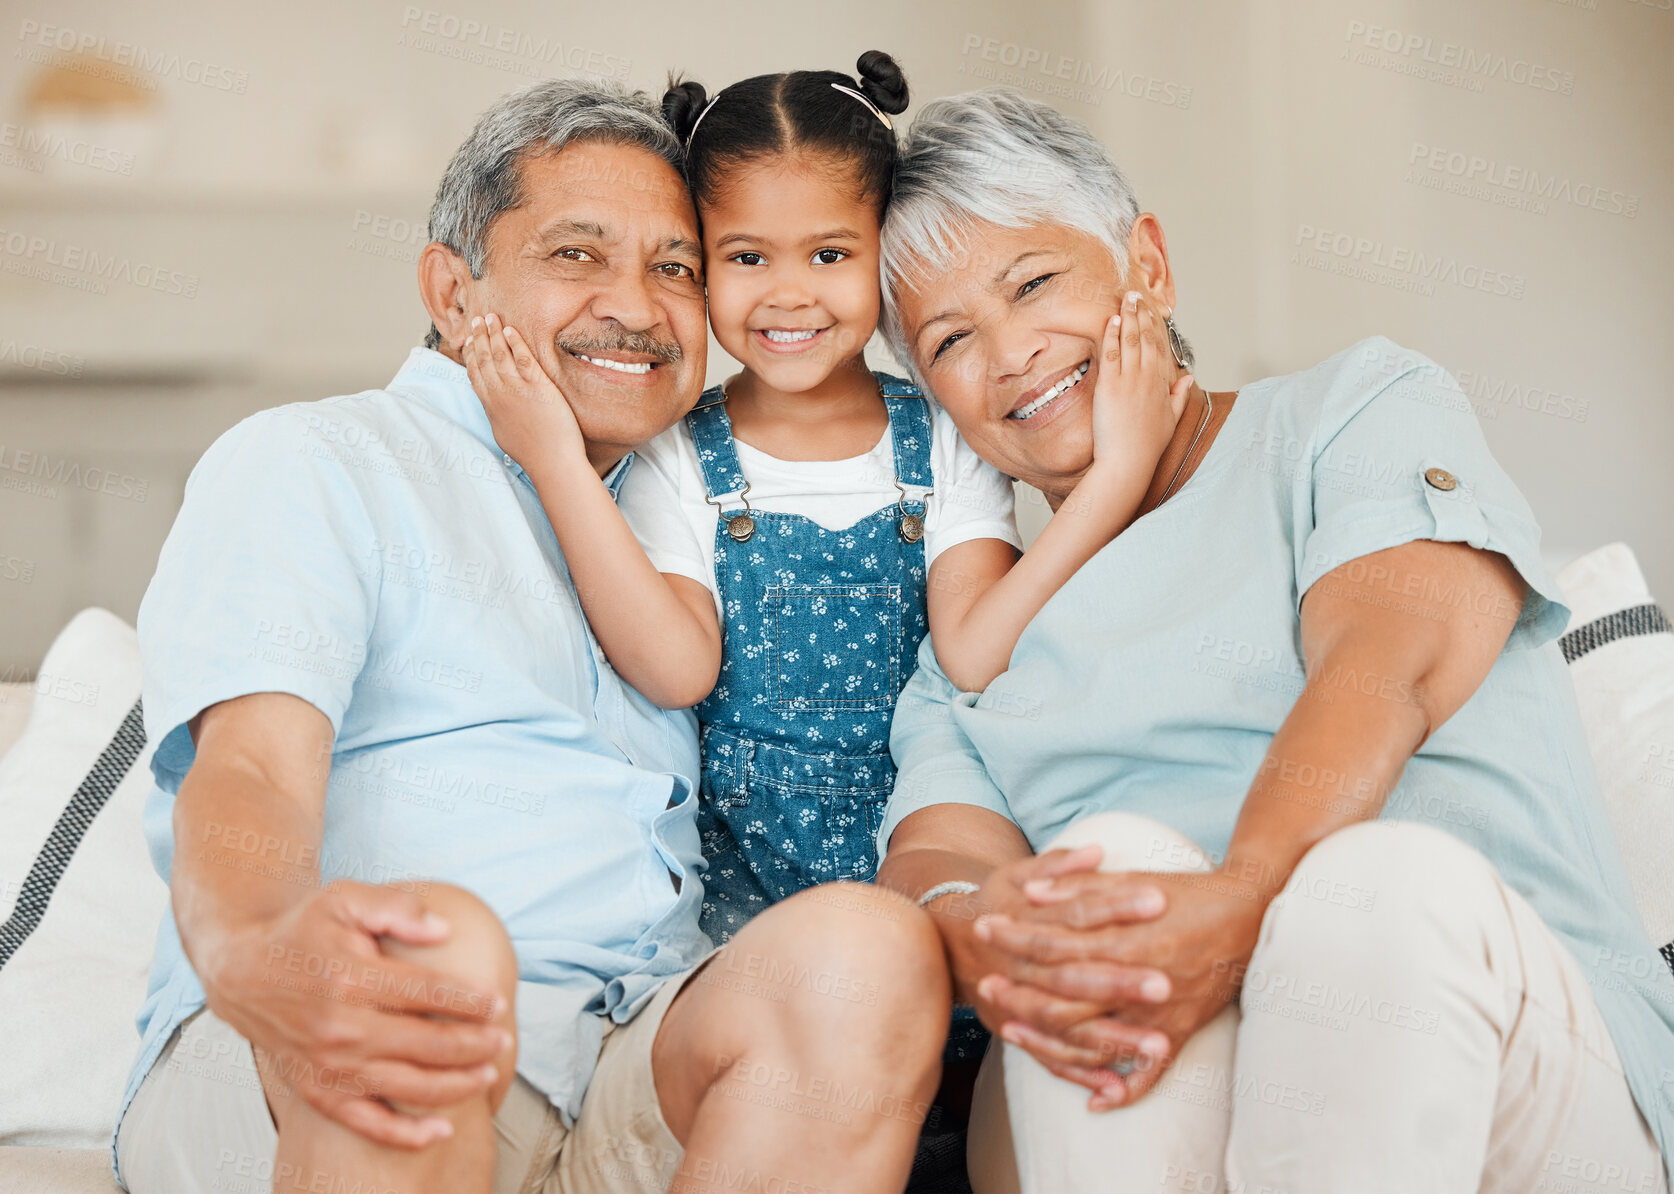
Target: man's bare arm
{"x":297,"y":967}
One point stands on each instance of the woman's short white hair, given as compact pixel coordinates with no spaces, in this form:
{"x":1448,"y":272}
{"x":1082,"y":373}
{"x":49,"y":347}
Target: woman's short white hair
{"x":993,"y":156}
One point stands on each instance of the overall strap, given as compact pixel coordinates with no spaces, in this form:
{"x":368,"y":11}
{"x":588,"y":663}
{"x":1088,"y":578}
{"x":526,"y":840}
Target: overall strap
{"x":909,"y":429}
{"x":717,"y":455}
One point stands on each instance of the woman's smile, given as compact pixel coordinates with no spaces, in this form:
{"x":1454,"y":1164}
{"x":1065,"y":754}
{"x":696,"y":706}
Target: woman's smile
{"x":1040,"y":399}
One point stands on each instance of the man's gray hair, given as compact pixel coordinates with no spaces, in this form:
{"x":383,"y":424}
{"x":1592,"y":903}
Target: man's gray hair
{"x":485,"y":176}
{"x":993,"y":156}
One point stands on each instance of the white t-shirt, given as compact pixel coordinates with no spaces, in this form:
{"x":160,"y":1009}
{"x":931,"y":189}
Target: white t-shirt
{"x":663,"y":496}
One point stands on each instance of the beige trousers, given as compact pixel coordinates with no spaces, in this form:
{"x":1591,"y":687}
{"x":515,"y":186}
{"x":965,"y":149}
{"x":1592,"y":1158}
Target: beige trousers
{"x":1407,"y":1024}
{"x":199,"y":1123}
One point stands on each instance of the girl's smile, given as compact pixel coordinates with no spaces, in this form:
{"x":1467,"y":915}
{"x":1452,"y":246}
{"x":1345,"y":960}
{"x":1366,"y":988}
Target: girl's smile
{"x":790,"y":340}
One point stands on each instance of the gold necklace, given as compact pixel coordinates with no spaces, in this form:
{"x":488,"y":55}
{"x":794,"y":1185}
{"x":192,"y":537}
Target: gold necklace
{"x":1208,"y":410}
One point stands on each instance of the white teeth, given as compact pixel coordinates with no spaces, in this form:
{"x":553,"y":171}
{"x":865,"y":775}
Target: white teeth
{"x":1045,"y":399}
{"x":619,"y":366}
{"x":779,"y":337}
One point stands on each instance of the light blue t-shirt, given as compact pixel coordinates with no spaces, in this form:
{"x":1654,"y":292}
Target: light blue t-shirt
{"x":1154,"y":680}
{"x":378,"y":556}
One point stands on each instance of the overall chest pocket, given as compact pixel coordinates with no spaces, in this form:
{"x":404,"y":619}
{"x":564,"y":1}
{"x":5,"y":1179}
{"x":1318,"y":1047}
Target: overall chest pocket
{"x":796,"y":819}
{"x":835,"y":646}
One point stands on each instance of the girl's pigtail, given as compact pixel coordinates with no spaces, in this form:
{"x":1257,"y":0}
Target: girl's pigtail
{"x":882,"y":82}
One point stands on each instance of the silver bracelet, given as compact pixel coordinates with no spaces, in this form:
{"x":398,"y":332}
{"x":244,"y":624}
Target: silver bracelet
{"x":951,"y":887}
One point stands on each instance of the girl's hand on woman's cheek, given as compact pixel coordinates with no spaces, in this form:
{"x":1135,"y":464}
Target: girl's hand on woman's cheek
{"x":1135,"y":408}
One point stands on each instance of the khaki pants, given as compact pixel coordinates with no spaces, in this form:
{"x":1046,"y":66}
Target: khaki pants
{"x":199,"y":1123}
{"x":1407,"y":1023}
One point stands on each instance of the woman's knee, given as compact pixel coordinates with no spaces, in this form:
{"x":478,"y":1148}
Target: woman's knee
{"x":1400,"y":864}
{"x":1380,"y":897}
{"x":1134,"y":843}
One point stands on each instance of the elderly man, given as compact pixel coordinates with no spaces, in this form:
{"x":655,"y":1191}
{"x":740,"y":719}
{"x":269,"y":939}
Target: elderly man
{"x":434,"y":867}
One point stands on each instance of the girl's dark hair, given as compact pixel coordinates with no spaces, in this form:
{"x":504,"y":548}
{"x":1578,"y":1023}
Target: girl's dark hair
{"x":797,"y":110}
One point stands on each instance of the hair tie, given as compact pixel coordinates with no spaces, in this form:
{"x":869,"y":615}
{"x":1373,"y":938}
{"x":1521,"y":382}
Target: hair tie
{"x":699,"y":120}
{"x":876,"y":111}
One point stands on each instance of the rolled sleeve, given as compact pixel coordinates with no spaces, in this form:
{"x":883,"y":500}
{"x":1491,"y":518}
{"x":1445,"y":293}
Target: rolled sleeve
{"x":935,"y":761}
{"x":1402,"y":458}
{"x":266,"y":583}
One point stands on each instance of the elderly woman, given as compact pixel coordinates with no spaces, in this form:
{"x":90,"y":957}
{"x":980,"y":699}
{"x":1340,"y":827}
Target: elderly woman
{"x":1276,"y":856}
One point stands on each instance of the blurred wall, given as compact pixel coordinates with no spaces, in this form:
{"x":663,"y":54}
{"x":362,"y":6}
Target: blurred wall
{"x":215,"y":208}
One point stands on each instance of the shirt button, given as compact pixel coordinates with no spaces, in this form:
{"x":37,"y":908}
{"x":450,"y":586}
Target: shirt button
{"x":1440,"y":478}
{"x":507,"y":458}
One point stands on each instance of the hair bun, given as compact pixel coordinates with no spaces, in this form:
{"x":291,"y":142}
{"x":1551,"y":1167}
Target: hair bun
{"x":882,"y":82}
{"x":683,"y":103}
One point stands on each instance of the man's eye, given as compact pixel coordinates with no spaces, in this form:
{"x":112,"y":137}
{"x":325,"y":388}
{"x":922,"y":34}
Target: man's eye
{"x":1034,"y":284}
{"x":676,"y":269}
{"x":747,"y":258}
{"x":829,"y":256}
{"x":574,"y":254}
{"x":945,"y":345}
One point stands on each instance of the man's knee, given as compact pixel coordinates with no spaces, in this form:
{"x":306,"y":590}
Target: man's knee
{"x":477,"y":951}
{"x":1134,"y":843}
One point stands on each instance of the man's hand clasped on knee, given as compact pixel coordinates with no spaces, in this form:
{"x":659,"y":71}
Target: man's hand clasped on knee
{"x":351,"y":1029}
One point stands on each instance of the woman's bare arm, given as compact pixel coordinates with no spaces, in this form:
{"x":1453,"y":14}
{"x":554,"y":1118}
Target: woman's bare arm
{"x":1382,"y":675}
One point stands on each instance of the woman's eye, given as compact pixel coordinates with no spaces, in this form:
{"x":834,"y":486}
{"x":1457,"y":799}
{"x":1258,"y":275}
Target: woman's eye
{"x":747,"y":258}
{"x":1034,"y":284}
{"x":945,"y":345}
{"x":829,"y":256}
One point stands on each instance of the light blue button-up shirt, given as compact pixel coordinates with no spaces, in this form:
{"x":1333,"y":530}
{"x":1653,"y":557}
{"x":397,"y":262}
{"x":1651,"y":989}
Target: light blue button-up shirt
{"x":378,"y":556}
{"x":1154,"y":680}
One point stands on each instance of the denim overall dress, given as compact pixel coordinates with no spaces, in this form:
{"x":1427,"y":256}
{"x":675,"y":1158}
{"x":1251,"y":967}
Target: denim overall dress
{"x":821,"y":631}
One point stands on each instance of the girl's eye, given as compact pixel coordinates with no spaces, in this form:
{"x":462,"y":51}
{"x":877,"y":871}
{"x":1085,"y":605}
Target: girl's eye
{"x":1034,"y":284}
{"x":747,"y":258}
{"x":945,"y":345}
{"x":829,"y":256}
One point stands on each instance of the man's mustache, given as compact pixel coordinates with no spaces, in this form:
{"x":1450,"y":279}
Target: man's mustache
{"x":643,"y":343}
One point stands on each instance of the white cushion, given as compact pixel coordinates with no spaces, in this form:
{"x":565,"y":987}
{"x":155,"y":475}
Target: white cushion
{"x":70,"y":989}
{"x":1622,"y":661}
{"x":15,"y":702}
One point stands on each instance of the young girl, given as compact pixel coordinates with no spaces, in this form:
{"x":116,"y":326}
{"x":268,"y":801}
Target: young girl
{"x":770,"y":558}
